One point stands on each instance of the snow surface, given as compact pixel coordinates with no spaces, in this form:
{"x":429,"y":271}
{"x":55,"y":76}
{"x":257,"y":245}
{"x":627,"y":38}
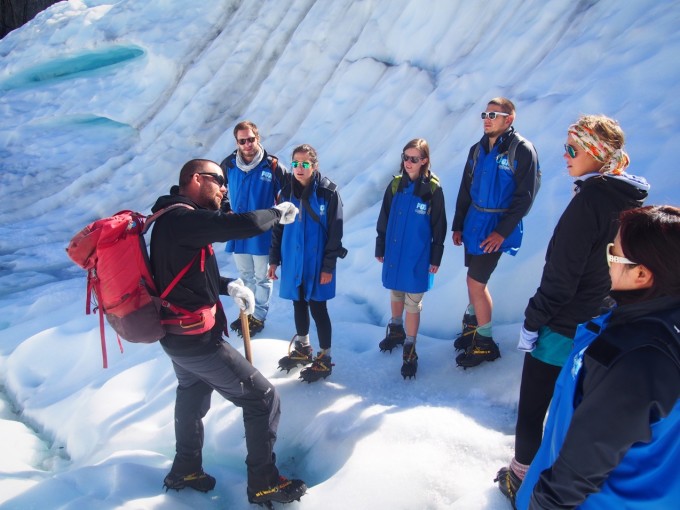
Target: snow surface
{"x":102,"y":102}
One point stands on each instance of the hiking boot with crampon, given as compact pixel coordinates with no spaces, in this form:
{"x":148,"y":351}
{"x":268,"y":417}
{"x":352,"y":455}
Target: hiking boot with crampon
{"x":199,"y":481}
{"x":300,"y":355}
{"x":483,"y":348}
{"x":286,"y":491}
{"x":395,"y":335}
{"x":508,"y":483}
{"x":254,"y":326}
{"x":410,"y":365}
{"x":464,"y":340}
{"x":321,"y":368}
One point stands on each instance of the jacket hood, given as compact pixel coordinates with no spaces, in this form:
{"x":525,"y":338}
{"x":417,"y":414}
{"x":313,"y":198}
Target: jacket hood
{"x":631,"y":188}
{"x":173,"y":198}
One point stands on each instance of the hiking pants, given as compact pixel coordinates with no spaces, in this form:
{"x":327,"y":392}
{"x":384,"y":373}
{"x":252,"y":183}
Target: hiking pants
{"x":535,"y":393}
{"x":228,"y":373}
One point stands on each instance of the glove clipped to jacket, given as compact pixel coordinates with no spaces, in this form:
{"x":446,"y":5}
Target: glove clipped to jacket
{"x":288,"y":212}
{"x":243,"y":296}
{"x":527,"y":340}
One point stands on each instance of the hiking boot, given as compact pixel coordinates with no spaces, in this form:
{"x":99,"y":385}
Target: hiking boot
{"x":321,"y":367}
{"x":410,"y":365}
{"x":285,"y":492}
{"x":483,"y":348}
{"x":508,"y":483}
{"x":395,"y":336}
{"x":236,"y":326}
{"x":254,"y":326}
{"x":199,"y":480}
{"x":300,"y":355}
{"x":464,"y":340}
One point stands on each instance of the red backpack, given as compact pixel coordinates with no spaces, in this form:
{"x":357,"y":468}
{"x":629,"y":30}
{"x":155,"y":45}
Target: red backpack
{"x":119,"y":280}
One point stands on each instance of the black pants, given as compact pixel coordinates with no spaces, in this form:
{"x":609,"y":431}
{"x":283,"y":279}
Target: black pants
{"x":224,"y":370}
{"x":322,"y":320}
{"x":535,"y":393}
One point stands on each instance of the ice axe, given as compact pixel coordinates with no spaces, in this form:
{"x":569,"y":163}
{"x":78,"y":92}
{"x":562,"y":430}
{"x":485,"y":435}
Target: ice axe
{"x":245,"y":328}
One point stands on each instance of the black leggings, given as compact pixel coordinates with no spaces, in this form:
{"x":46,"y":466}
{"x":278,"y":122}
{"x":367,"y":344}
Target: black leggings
{"x":321,"y":319}
{"x":535,"y":393}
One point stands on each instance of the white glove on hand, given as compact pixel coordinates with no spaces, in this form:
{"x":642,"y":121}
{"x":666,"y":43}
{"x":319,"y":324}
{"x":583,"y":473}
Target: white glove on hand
{"x":527,"y":340}
{"x":288,"y":212}
{"x":243,"y":296}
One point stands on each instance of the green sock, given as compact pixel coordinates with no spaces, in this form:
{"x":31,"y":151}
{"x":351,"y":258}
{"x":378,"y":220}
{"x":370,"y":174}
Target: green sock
{"x":485,"y":330}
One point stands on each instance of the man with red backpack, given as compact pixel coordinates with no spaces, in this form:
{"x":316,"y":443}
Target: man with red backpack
{"x":202,"y":360}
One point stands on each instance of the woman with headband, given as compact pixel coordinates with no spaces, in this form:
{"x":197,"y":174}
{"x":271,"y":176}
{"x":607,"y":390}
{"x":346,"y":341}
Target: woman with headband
{"x":575,"y":280}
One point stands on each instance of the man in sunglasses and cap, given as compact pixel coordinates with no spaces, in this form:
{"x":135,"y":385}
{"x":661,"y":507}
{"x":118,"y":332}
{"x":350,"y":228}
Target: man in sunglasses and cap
{"x":254,"y":179}
{"x":498,"y":187}
{"x":181,"y":253}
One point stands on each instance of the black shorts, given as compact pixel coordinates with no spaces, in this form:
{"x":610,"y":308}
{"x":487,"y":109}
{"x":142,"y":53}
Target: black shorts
{"x":480,"y":267}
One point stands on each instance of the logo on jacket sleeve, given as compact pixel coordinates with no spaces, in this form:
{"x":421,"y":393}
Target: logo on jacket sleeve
{"x":322,"y":210}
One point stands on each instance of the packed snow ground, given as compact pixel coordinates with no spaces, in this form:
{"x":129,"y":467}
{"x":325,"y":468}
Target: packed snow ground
{"x":102,"y":102}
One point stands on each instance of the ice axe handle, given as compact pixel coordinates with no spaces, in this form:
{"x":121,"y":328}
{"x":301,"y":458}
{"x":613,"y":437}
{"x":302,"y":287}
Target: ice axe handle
{"x":245,"y":328}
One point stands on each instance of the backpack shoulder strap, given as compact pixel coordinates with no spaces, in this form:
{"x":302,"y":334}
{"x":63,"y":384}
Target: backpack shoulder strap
{"x":395,"y":184}
{"x":513,"y":149}
{"x":153,"y":217}
{"x":475,"y":157}
{"x":326,"y":183}
{"x":273,"y":162}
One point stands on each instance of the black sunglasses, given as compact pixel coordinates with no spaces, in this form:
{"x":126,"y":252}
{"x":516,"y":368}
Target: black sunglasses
{"x":243,"y":141}
{"x":219,"y":179}
{"x":413,"y":159}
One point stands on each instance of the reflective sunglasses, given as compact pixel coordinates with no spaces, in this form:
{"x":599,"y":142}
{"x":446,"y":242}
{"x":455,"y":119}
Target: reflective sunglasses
{"x":243,"y":141}
{"x":304,"y":164}
{"x":493,"y":115}
{"x":616,"y":259}
{"x":413,"y":159}
{"x":570,"y":150}
{"x":219,"y":179}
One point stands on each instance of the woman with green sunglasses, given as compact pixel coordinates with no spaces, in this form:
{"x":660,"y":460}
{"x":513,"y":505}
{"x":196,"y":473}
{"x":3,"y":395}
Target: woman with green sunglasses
{"x":575,"y":280}
{"x":307,"y":251}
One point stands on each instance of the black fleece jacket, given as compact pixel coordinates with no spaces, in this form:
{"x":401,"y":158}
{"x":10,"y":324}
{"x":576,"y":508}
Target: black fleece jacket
{"x":179,"y":235}
{"x":575,"y":277}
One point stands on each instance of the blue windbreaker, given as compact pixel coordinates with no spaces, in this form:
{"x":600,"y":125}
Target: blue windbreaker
{"x":411,"y":232}
{"x":248,"y":191}
{"x":496,"y":193}
{"x":641,"y":476}
{"x":307,"y":247}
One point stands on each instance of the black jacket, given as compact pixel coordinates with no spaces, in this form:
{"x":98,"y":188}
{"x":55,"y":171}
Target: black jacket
{"x":180,"y":234}
{"x":575,"y":277}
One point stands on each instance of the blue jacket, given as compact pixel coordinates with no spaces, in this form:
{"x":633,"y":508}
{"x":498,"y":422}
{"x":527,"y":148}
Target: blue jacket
{"x":257,"y":189}
{"x":496,"y":194}
{"x":611,"y":439}
{"x":411,"y":232}
{"x":309,"y":246}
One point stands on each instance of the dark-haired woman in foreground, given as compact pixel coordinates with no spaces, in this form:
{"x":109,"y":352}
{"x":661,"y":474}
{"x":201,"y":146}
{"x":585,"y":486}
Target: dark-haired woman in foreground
{"x":611,"y":440}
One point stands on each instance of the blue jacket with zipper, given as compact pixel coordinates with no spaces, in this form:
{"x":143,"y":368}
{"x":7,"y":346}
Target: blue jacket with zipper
{"x":411,"y":232}
{"x":611,"y":439}
{"x":248,"y":191}
{"x":312,"y":243}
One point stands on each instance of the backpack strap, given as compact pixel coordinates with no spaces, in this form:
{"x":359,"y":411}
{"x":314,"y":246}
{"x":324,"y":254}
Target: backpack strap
{"x":434,"y":184}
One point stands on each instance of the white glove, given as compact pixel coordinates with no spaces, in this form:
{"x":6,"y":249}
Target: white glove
{"x":243,"y":296}
{"x":527,"y":340}
{"x":288,"y":212}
